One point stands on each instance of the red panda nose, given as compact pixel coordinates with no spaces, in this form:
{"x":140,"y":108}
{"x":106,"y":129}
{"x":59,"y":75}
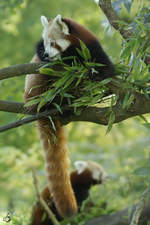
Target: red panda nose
{"x":46,"y":55}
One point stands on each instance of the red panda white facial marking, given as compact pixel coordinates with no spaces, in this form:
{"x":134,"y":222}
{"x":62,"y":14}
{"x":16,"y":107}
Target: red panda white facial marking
{"x":97,"y":171}
{"x":54,"y":34}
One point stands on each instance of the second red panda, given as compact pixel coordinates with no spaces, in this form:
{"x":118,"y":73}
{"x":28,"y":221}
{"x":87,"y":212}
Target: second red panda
{"x":86,"y":174}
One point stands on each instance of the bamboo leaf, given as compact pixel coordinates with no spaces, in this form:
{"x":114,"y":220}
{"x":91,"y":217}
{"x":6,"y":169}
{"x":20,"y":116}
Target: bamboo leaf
{"x":32,"y":102}
{"x":58,"y":108}
{"x":110,"y":122}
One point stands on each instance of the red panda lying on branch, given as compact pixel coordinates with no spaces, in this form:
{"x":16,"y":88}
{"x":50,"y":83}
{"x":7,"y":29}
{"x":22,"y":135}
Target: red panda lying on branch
{"x":61,"y":36}
{"x":86,"y":175}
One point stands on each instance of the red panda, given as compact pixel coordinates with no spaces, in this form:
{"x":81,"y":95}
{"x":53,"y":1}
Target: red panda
{"x":61,"y":36}
{"x":86,"y":174}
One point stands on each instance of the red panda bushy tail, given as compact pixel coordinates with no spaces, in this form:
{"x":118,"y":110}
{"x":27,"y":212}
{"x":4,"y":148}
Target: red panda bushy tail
{"x":57,"y":166}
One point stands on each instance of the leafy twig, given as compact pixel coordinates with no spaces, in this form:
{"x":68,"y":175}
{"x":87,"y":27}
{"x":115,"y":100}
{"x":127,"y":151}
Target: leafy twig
{"x":30,"y":119}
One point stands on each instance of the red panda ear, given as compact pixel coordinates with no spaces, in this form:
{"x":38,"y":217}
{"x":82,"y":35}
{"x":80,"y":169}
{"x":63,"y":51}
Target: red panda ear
{"x":44,"y":21}
{"x":64,"y":28}
{"x":96,"y":1}
{"x":80,"y":166}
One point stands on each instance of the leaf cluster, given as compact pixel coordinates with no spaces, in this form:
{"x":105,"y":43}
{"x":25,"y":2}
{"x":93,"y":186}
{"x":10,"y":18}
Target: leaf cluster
{"x":72,"y":85}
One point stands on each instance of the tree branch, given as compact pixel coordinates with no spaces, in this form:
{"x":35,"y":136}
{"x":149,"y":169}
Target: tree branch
{"x":30,"y":119}
{"x":123,"y":217}
{"x":115,"y":86}
{"x":97,"y":115}
{"x":13,"y":107}
{"x":113,"y":18}
{"x":20,"y":69}
{"x":139,"y":208}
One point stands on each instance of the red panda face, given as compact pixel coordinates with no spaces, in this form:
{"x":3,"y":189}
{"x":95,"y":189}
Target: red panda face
{"x":54,"y":36}
{"x":97,"y":172}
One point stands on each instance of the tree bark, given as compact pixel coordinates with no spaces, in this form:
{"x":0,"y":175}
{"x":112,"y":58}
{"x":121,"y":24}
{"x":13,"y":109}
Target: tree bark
{"x":122,"y":217}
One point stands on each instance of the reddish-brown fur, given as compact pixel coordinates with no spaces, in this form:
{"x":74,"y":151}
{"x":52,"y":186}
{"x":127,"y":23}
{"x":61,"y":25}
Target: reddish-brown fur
{"x":56,"y":152}
{"x":57,"y":166}
{"x":79,"y":32}
{"x":81,"y":184}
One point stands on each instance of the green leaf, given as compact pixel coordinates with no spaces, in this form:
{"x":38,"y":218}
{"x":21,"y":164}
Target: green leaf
{"x":106,"y":81}
{"x":62,"y":81}
{"x":68,"y":83}
{"x":84,"y":52}
{"x":48,"y":97}
{"x":110,"y":122}
{"x":128,"y":99}
{"x":58,"y":108}
{"x":125,"y":100}
{"x":143,"y":118}
{"x":67,"y":95}
{"x":32,"y":102}
{"x":50,"y":72}
{"x":53,"y":125}
{"x":54,"y":138}
{"x":141,"y":25}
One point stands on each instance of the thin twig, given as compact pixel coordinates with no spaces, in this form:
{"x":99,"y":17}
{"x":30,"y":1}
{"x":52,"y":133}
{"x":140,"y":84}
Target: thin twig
{"x":33,"y":118}
{"x":51,"y":215}
{"x":19,"y":123}
{"x":139,"y":207}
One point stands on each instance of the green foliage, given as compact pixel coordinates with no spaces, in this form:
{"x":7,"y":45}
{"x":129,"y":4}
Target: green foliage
{"x":123,"y":152}
{"x":136,"y":49}
{"x":117,"y":5}
{"x":72,"y":85}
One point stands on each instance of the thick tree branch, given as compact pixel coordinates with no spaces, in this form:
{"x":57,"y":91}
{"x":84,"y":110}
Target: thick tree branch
{"x":90,"y":114}
{"x":123,"y":217}
{"x":113,"y":18}
{"x":13,"y":107}
{"x":139,"y":208}
{"x":20,"y":69}
{"x":23,"y":69}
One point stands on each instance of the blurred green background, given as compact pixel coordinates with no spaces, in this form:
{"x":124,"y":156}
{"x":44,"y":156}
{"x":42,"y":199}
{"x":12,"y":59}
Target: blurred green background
{"x":123,"y":150}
